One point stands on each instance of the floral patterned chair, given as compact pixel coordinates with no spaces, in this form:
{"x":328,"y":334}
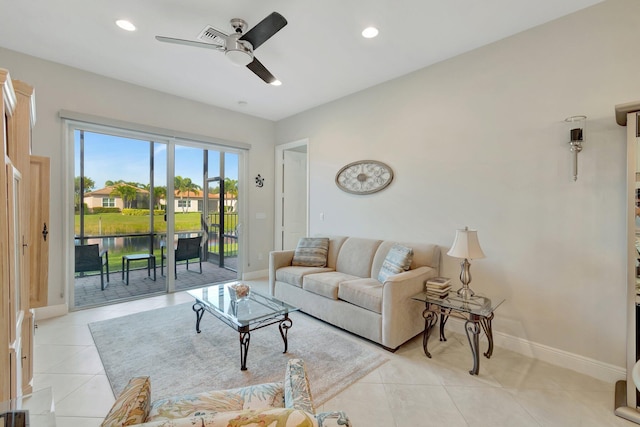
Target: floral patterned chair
{"x":285,"y":404}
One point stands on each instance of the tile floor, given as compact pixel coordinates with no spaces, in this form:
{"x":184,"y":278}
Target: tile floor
{"x":408,"y":390}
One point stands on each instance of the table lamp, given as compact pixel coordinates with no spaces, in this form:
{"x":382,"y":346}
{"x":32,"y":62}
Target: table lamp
{"x":466,"y":246}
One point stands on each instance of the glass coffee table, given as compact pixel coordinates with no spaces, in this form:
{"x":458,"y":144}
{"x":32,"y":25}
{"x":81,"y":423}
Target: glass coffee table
{"x":245,"y":316}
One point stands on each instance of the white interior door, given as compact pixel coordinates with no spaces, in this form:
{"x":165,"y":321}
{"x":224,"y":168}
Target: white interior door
{"x":292,"y":216}
{"x":295,"y":198}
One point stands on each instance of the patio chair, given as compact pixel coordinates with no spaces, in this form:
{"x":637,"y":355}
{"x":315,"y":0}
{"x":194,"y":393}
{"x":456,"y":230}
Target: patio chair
{"x":91,"y":258}
{"x":188,"y":248}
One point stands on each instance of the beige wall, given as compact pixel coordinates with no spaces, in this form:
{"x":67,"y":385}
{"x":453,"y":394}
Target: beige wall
{"x":480,"y":141}
{"x":59,"y":87}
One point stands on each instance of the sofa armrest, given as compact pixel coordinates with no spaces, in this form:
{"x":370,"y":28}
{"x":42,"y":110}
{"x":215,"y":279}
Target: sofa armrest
{"x":402,"y":316}
{"x":132,"y":406}
{"x":408,"y":283}
{"x":297,"y":393}
{"x":278,"y":259}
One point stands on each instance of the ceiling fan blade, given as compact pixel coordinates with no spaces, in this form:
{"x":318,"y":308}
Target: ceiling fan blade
{"x":260,"y":71}
{"x":189,"y":43}
{"x":264,"y":29}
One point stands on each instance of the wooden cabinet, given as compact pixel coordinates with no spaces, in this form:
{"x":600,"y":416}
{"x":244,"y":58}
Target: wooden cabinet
{"x":8,"y":106}
{"x":39,"y":230}
{"x":23,"y":259}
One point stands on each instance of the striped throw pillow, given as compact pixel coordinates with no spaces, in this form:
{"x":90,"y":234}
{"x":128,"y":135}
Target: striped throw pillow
{"x":398,"y":260}
{"x":311,"y":252}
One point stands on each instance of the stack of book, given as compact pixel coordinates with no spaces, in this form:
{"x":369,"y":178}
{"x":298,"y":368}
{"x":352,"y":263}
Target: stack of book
{"x":439,"y":286}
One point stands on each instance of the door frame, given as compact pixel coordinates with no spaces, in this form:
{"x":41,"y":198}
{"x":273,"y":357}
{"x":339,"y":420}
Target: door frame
{"x":72,"y":120}
{"x":279,"y":181}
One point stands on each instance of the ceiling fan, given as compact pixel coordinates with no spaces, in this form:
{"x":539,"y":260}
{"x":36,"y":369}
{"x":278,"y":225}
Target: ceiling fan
{"x":239,"y":46}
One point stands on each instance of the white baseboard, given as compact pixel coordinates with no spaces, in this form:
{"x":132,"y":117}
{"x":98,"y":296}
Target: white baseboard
{"x":253,"y":275}
{"x":584,"y":365}
{"x":51,"y":311}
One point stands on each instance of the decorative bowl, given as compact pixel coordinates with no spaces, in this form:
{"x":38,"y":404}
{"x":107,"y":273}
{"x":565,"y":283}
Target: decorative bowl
{"x":239,"y":291}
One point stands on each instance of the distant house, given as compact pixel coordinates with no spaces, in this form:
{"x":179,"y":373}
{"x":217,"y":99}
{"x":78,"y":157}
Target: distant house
{"x":106,"y":198}
{"x":192,"y":201}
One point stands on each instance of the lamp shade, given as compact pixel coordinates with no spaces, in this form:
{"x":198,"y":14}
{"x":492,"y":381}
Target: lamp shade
{"x":466,"y":245}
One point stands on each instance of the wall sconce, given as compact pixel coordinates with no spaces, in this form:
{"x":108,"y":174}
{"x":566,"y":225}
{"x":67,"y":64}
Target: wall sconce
{"x":259,"y":181}
{"x":576,"y":137}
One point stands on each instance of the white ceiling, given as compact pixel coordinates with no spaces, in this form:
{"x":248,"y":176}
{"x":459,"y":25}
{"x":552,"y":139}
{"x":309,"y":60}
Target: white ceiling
{"x":319,"y":56}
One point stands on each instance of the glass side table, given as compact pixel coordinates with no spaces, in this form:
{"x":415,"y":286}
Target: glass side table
{"x":36,"y":409}
{"x":477,"y":312}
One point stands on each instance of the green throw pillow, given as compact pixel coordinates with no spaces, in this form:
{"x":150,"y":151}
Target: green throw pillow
{"x":311,"y":252}
{"x":398,"y":260}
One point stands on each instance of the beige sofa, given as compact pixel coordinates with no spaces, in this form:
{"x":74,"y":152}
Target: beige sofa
{"x":346,"y":292}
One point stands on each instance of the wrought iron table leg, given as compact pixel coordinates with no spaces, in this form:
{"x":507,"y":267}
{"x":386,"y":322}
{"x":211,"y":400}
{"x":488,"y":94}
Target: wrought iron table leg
{"x":245,"y":337}
{"x":430,"y":320}
{"x":199,"y":309}
{"x":284,"y":326}
{"x":486,"y":326}
{"x":472,"y":329}
{"x":443,"y":321}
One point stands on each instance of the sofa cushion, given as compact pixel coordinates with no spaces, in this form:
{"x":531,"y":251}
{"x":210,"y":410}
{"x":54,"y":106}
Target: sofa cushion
{"x":311,"y":252}
{"x":190,"y":404}
{"x":365,"y":293}
{"x":268,"y":395}
{"x":132,"y":405}
{"x":398,"y":259}
{"x":356,"y":255}
{"x":325,"y":284}
{"x":294,"y":275}
{"x":335,"y":243}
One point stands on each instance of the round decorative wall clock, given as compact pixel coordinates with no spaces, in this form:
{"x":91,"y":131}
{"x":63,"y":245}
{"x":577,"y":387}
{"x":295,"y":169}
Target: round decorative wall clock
{"x":364,"y":177}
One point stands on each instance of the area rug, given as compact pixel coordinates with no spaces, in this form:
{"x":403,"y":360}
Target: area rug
{"x":164,"y":345}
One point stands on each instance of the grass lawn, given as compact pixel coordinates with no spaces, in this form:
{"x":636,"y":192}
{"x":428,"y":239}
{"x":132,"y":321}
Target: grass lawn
{"x":115,"y":223}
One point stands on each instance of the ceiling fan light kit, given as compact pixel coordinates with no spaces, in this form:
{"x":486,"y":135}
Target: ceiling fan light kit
{"x":239,"y":46}
{"x":238,"y":54}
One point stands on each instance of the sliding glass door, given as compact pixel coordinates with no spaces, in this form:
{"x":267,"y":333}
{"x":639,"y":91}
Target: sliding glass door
{"x":141,"y":200}
{"x":118,"y":206}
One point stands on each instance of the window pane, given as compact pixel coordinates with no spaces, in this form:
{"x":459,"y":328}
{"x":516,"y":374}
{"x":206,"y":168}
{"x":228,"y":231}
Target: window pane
{"x":116,"y":177}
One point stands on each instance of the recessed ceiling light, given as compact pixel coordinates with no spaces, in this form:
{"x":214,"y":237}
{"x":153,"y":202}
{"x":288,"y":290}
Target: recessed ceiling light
{"x":125,"y":25}
{"x":369,"y":32}
{"x":242,"y":103}
{"x":276,"y":83}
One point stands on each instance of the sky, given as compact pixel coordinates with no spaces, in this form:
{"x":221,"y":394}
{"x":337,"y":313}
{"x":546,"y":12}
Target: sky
{"x":114,"y":158}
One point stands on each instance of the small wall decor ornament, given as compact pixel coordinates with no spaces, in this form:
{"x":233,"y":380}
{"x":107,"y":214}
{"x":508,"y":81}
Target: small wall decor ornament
{"x":259,"y":181}
{"x":364,"y":177}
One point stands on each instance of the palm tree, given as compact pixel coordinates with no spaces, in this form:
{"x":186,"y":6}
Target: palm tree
{"x":87,"y":185}
{"x":126,"y":192}
{"x":159,"y":193}
{"x":231,"y":188}
{"x":185,"y":185}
